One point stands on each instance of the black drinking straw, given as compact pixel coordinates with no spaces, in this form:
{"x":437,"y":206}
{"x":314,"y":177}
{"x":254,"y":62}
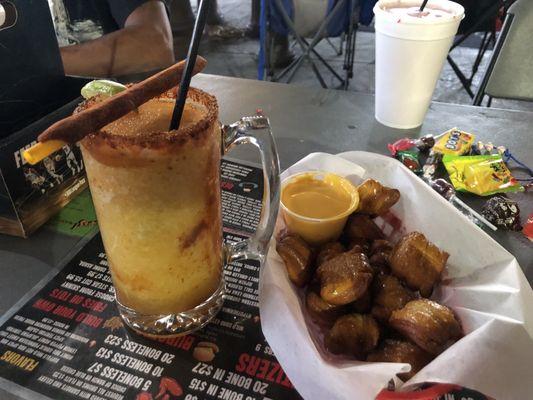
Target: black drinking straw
{"x":199,"y":25}
{"x":423,"y":5}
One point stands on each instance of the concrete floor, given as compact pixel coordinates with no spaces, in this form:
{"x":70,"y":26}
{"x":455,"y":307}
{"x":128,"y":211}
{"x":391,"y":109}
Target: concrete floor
{"x":238,"y":58}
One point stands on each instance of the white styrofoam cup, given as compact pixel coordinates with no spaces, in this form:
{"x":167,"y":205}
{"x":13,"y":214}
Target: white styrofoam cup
{"x":410,"y":54}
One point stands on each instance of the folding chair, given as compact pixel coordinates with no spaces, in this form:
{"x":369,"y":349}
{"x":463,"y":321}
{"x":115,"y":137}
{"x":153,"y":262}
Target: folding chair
{"x":480,"y":16}
{"x":509,"y":73}
{"x":341,"y":20}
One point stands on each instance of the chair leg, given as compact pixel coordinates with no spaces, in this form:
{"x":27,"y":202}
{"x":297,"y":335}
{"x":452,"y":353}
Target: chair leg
{"x":266,"y":38}
{"x":295,"y":68}
{"x":271,"y":72}
{"x":490,"y":12}
{"x":317,"y":73}
{"x":346,"y":67}
{"x":461,"y":76}
{"x":349,"y":70}
{"x":350,"y":45}
{"x":352,"y":49}
{"x":299,"y":63}
{"x":481,"y":52}
{"x":475,"y":67}
{"x":337,"y":51}
{"x":287,"y":69}
{"x":323,"y":61}
{"x":268,"y":69}
{"x":270,"y":50}
{"x":478,"y":98}
{"x":348,"y":59}
{"x":329,"y":67}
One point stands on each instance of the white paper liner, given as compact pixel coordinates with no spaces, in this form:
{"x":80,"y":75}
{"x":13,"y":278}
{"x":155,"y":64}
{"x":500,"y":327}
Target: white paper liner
{"x":483,"y":283}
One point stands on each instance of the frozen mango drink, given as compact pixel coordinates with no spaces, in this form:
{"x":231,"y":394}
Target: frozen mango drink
{"x":161,"y":231}
{"x":157,"y":196}
{"x":157,"y":199}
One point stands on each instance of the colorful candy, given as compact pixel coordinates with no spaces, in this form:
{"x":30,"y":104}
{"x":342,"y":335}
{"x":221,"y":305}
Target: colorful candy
{"x":423,"y":144}
{"x":443,"y":187}
{"x":409,"y":158}
{"x":401,"y":145}
{"x":430,"y":167}
{"x":503,"y":212}
{"x":454,"y":142}
{"x":483,"y":175}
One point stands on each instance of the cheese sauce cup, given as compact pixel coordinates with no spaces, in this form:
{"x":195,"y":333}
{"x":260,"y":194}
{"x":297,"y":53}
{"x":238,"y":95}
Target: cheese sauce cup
{"x":316,"y":205}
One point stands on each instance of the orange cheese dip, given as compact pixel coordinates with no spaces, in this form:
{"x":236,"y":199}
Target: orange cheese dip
{"x":310,"y":197}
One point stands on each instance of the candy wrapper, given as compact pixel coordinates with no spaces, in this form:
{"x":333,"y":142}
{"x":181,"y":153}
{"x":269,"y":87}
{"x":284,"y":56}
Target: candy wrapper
{"x":422,"y":144}
{"x":482,"y":175}
{"x":407,"y":151}
{"x":483,"y":284}
{"x":430,"y":167}
{"x":503,"y":212}
{"x":454,"y":142}
{"x":410,"y":160}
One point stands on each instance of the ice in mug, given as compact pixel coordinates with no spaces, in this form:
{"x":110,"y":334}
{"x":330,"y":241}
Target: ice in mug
{"x":159,"y":217}
{"x":411,"y":48}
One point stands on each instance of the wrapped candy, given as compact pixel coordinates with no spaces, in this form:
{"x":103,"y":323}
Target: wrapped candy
{"x":454,"y":142}
{"x":407,"y":150}
{"x":400,"y":145}
{"x":442,"y":187}
{"x":410,"y":160}
{"x":483,"y":149}
{"x":483,"y":175}
{"x":423,"y":144}
{"x":502,"y":212}
{"x":430,"y":167}
{"x":501,"y":150}
{"x":489,"y":147}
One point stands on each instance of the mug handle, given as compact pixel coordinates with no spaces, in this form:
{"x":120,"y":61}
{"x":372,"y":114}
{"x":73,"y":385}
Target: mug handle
{"x":256,"y":130}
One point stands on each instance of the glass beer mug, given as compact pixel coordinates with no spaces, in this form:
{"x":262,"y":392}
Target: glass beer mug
{"x":157,"y":200}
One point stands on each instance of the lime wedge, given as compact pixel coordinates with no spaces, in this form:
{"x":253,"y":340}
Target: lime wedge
{"x":101,"y":87}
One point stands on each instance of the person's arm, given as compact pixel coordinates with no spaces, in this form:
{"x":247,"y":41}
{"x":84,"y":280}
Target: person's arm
{"x":144,"y":44}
